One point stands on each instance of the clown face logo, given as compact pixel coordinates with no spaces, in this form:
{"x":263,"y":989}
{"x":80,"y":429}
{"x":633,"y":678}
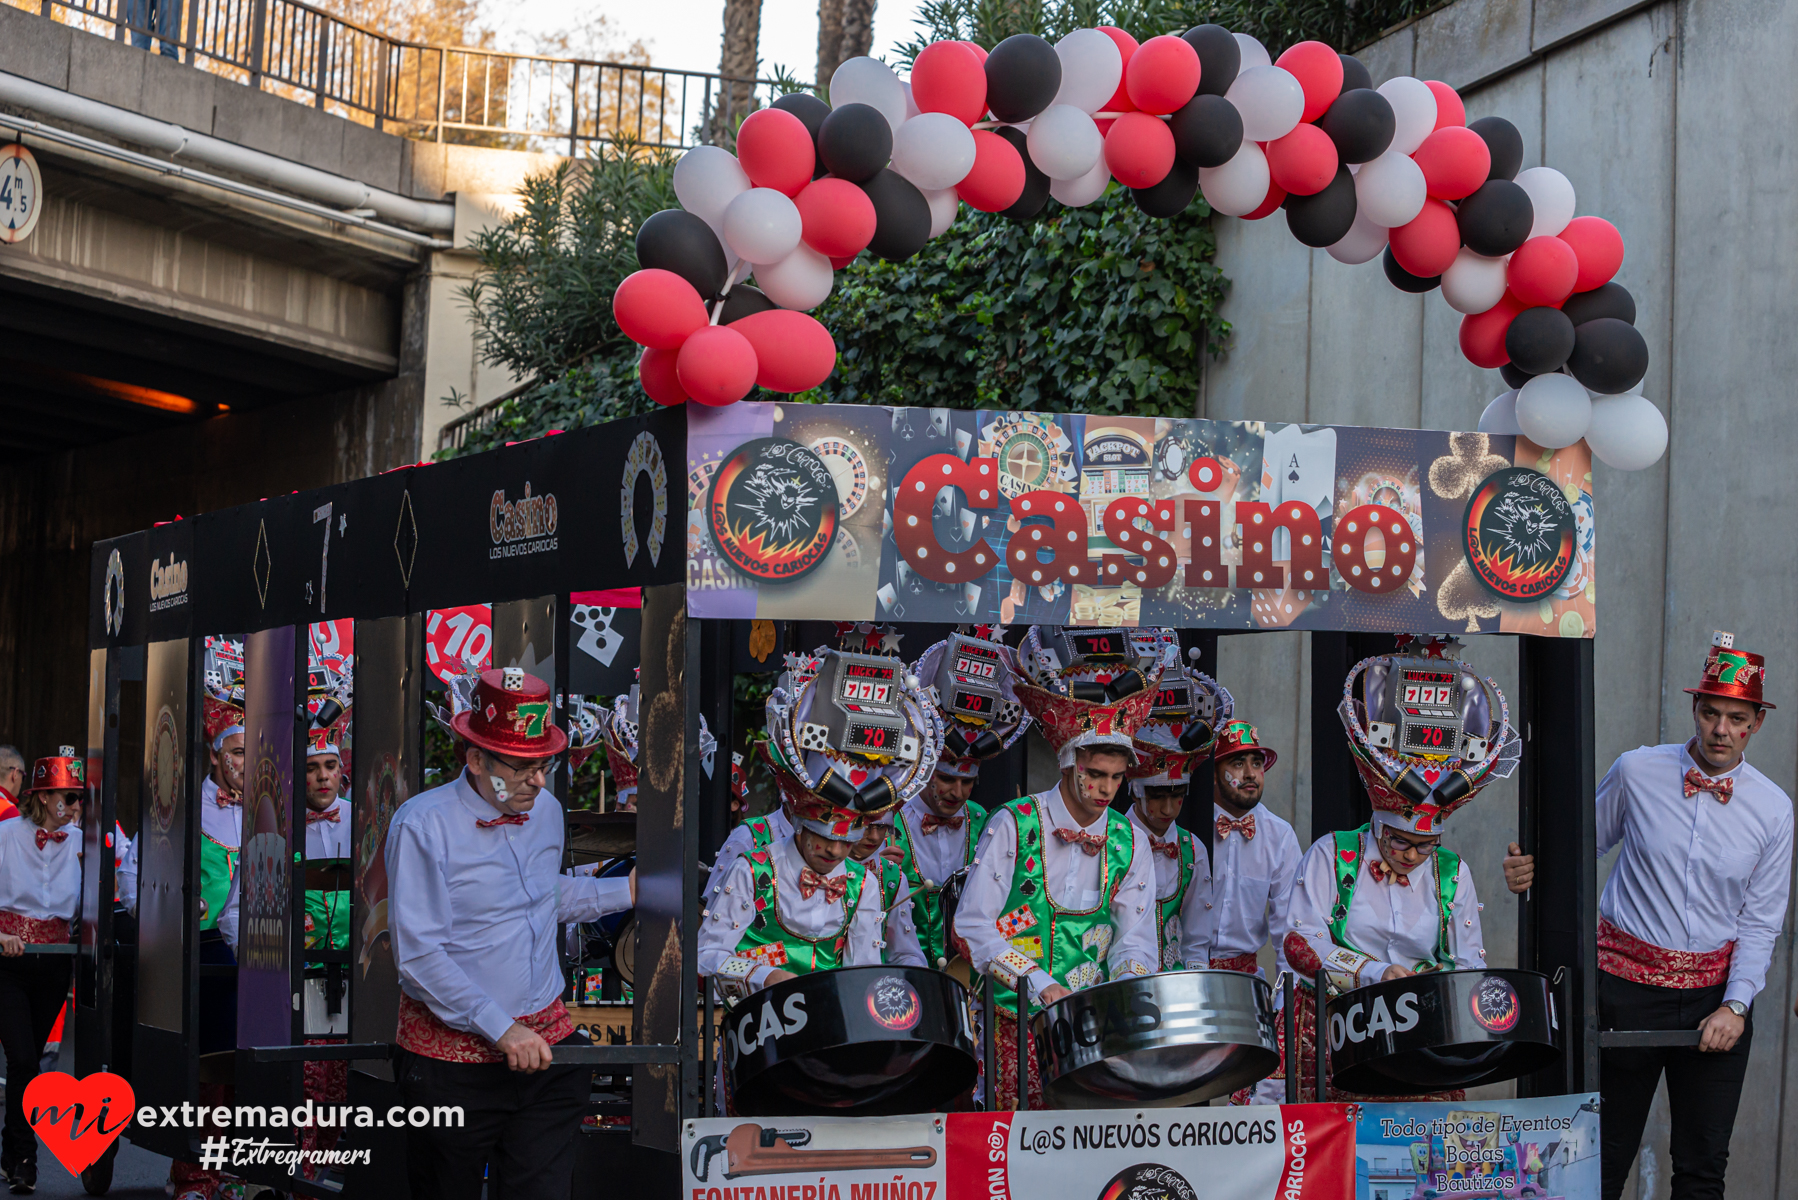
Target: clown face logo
{"x":894,"y":1003}
{"x":1495,"y":1004}
{"x":773,"y":509}
{"x":1518,"y":534}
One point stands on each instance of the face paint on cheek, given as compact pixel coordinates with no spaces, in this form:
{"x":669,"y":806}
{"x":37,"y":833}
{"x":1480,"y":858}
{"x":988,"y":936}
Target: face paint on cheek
{"x":499,"y":788}
{"x":1232,"y":780}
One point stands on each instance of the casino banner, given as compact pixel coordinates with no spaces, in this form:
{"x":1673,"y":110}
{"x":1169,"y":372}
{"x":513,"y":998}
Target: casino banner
{"x":869,"y":513}
{"x":1545,"y":1148}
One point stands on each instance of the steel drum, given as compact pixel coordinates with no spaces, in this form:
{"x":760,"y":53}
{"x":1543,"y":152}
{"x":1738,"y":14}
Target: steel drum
{"x":1439,"y":1031}
{"x":1157,"y":1041}
{"x":861,"y":1041}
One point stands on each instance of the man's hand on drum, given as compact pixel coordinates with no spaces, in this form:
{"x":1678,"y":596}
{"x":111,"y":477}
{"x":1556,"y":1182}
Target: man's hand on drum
{"x":524,"y":1049}
{"x":779,"y":976}
{"x":1520,"y":869}
{"x":1395,"y":972}
{"x":11,"y":945}
{"x":1721,"y":1031}
{"x":1051,"y":994}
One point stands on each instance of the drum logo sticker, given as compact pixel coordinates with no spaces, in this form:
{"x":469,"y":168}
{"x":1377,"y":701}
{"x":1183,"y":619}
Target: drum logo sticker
{"x":1495,"y":1004}
{"x":1148,"y":1181}
{"x":773,"y":509}
{"x":894,"y":1004}
{"x":1518,"y":534}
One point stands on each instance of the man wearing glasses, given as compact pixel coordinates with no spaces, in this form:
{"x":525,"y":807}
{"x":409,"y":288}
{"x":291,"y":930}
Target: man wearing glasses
{"x":476,"y":895}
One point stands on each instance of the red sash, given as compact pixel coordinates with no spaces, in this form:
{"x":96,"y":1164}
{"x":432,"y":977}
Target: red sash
{"x":422,"y":1032}
{"x":1248,"y":964}
{"x":1629,"y":957}
{"x":45,"y":931}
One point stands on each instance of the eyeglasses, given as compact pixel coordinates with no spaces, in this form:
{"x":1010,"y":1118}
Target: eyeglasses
{"x":525,"y":771}
{"x":1396,"y":845}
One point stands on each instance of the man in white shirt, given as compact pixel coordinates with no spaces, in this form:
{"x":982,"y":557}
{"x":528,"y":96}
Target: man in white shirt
{"x":1687,"y":921}
{"x":475,"y":896}
{"x":1254,"y":857}
{"x":1182,"y":866}
{"x":876,"y":852}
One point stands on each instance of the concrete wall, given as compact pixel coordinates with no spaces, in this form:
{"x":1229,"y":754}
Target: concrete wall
{"x":1673,"y":121}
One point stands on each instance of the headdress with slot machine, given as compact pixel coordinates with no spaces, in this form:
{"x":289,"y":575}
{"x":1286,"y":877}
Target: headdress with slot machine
{"x":1089,"y":687}
{"x":222,"y":674}
{"x":330,"y":691}
{"x":850,"y":736}
{"x":972,"y":678}
{"x":1427,"y":733}
{"x":1731,"y":673}
{"x":1180,"y":732}
{"x":618,"y":728}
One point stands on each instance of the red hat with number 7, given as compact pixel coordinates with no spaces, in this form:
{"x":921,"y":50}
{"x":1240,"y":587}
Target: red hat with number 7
{"x":511,"y":715}
{"x":1731,"y":673}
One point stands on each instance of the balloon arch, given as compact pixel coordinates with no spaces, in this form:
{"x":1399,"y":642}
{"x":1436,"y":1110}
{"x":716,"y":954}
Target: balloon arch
{"x":1395,"y":173}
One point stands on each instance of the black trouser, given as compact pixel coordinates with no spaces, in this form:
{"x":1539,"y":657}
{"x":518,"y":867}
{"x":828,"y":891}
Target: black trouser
{"x":1703,"y":1089}
{"x":218,"y":995}
{"x":32,"y":990}
{"x":521,"y":1125}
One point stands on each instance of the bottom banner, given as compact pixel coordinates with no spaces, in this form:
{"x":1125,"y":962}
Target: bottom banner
{"x":1479,"y":1149}
{"x":815,"y":1158}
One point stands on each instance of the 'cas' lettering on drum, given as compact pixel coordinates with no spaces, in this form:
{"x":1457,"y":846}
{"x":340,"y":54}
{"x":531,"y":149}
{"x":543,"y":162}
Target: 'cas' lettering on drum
{"x":795,"y":1014}
{"x":751,"y":1032}
{"x":1406,"y":1008}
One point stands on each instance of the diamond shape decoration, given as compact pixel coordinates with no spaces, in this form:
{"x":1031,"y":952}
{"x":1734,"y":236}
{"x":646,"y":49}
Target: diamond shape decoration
{"x":262,"y":565}
{"x":405,"y":539}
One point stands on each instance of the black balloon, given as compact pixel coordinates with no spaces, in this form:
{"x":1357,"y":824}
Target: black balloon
{"x":743,"y":301}
{"x":1170,"y":197}
{"x":1361,"y":123}
{"x":1609,"y":356}
{"x":1036,"y":184}
{"x":1496,"y":219}
{"x":811,"y":112}
{"x":1606,"y":300}
{"x":1220,"y":57}
{"x":1403,"y":280}
{"x":1207,"y":131}
{"x":1513,"y":377}
{"x":676,"y":240}
{"x":1354,"y":75}
{"x":901,"y":216}
{"x":1539,"y":340}
{"x":1506,"y":144}
{"x":1023,"y":73}
{"x":1323,"y":219}
{"x":855,"y":142}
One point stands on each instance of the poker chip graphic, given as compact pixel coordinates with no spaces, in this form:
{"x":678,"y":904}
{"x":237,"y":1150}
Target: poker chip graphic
{"x":1495,"y":1004}
{"x":773,"y":509}
{"x":894,"y":1003}
{"x":1518,"y":534}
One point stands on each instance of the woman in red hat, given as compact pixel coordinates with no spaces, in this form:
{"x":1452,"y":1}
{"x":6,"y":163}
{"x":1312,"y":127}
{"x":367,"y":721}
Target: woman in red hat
{"x":40,"y":887}
{"x":475,"y":893}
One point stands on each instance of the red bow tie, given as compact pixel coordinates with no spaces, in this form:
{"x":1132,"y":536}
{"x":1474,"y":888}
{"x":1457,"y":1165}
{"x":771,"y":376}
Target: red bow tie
{"x":1171,"y":847}
{"x":508,"y":819}
{"x":810,"y":882}
{"x":1243,"y":825}
{"x":1382,"y":873}
{"x":1696,"y":782}
{"x":1092,"y":843}
{"x":330,"y":814}
{"x":44,"y":836}
{"x":229,"y":799}
{"x":933,"y":823}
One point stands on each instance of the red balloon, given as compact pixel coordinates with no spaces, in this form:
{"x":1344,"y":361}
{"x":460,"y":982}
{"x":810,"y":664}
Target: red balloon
{"x":716,"y":365}
{"x":1483,"y":334}
{"x":1427,"y":246}
{"x":837,"y":264}
{"x":1455,"y":162}
{"x":658,"y":308}
{"x":1139,"y":150}
{"x":947,"y":77}
{"x":836,"y":218}
{"x":776,"y":150}
{"x":1163,"y":74}
{"x":1120,"y":100}
{"x":656,"y":371}
{"x":979,"y":52}
{"x":1449,"y":109}
{"x":997,"y":179}
{"x":1304,"y":161}
{"x":1542,"y":272}
{"x":793,"y":352}
{"x":1270,"y":204}
{"x":1318,"y":70}
{"x":1599,"y":248}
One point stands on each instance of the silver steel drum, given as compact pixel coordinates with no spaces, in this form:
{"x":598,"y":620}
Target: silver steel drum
{"x":1157,"y":1041}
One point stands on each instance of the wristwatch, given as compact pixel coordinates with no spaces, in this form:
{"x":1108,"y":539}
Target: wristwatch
{"x":1736,"y":1007}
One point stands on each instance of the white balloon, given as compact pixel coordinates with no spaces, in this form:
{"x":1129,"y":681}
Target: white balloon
{"x":1362,"y":243}
{"x":1091,"y":67}
{"x":1635,"y":389}
{"x":706,"y":179}
{"x":762,"y":226}
{"x":933,"y":150}
{"x":1240,"y":185}
{"x":1414,"y":105}
{"x":1077,"y":193}
{"x":911,"y":103}
{"x":1063,"y":141}
{"x":1553,"y":410}
{"x":800,"y":280}
{"x":1500,"y":416}
{"x":1270,"y":101}
{"x":1552,"y":195}
{"x":943,"y":207}
{"x":1627,"y":432}
{"x":1254,"y":54}
{"x":1390,"y":190}
{"x":869,"y":81}
{"x":1474,"y":283}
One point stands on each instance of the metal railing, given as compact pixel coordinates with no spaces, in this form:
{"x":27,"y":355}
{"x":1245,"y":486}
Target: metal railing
{"x":465,"y":94}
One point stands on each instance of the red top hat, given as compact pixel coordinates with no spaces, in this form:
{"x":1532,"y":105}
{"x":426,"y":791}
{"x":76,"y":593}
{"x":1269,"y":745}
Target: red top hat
{"x":511,"y":715}
{"x":64,"y":773}
{"x":1736,"y":674}
{"x":1239,"y":737}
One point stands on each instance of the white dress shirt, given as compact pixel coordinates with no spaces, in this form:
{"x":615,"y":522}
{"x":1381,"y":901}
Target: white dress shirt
{"x":124,"y":871}
{"x":1190,"y":941}
{"x":1694,"y":874}
{"x":941,"y":852}
{"x":473,"y":912}
{"x":324,"y":839}
{"x":741,"y":842}
{"x":223,"y":823}
{"x":1073,"y":879}
{"x":899,"y":931}
{"x":815,"y":917}
{"x":1251,"y":887}
{"x":1388,"y":922}
{"x":35,"y":883}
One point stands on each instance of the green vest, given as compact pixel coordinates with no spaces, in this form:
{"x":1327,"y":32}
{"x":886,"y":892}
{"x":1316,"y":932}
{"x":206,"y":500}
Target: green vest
{"x":1071,"y":945}
{"x":803,"y":956}
{"x":1349,"y":843}
{"x":927,"y":900}
{"x":1167,"y":912}
{"x":218,"y":864}
{"x":327,"y":920}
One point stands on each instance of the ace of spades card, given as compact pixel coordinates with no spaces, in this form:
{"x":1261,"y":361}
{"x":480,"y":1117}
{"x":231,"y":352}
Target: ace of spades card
{"x":1296,"y":465}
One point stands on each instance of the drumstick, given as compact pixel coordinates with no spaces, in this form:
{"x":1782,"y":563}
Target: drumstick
{"x":745,"y":1155}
